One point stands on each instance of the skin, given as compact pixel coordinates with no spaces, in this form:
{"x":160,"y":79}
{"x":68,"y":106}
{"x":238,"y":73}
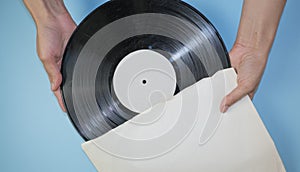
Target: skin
{"x":249,"y":55}
{"x":54,"y":28}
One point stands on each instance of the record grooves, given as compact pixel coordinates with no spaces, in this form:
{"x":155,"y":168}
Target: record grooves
{"x":170,"y":27}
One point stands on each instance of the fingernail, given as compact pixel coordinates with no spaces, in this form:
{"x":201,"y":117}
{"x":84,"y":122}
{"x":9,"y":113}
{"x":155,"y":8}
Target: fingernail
{"x":52,"y":86}
{"x":224,"y":109}
{"x":64,"y":110}
{"x":222,"y":105}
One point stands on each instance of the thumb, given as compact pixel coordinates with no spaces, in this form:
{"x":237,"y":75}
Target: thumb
{"x":238,"y":93}
{"x":53,"y":71}
{"x":56,"y":81}
{"x":55,"y":77}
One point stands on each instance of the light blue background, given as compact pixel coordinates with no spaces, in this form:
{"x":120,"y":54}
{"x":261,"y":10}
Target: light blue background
{"x":36,"y":136}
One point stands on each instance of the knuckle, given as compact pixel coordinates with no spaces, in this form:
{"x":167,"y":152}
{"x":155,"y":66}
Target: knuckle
{"x":44,"y":59}
{"x":247,"y":88}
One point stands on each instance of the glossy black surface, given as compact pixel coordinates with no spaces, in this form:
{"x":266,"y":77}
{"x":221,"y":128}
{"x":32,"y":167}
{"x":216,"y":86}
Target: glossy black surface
{"x":112,"y":111}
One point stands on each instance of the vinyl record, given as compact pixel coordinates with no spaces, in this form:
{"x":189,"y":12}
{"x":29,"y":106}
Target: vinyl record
{"x":158,"y":43}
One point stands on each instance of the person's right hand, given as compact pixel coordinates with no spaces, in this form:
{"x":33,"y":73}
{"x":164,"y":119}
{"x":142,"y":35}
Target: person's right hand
{"x":249,"y":63}
{"x":52,"y":37}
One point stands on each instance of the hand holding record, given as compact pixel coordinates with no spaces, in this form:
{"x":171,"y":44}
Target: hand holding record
{"x":54,"y":28}
{"x":250,"y":52}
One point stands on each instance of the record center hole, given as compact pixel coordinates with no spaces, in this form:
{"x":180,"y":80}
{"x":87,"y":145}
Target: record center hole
{"x":144,"y":81}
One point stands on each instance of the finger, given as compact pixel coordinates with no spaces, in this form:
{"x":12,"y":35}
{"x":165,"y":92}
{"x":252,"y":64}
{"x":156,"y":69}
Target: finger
{"x":238,"y":93}
{"x":58,"y":96}
{"x":53,"y":71}
{"x":251,"y":95}
{"x":55,"y":77}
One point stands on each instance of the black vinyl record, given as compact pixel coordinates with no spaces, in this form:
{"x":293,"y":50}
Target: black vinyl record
{"x":115,"y":29}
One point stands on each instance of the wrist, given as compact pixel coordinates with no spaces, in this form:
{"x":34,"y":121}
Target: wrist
{"x":241,"y":51}
{"x":45,"y":11}
{"x":261,"y":45}
{"x":258,"y":25}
